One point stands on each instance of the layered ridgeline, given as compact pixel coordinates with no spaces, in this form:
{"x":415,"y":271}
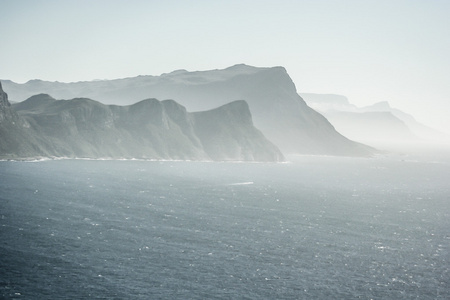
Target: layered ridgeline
{"x":149,"y":129}
{"x":277,"y":110}
{"x":375,"y":124}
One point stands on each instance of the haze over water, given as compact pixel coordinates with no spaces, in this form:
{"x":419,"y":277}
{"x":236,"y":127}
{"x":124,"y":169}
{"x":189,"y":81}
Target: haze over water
{"x":316,"y":227}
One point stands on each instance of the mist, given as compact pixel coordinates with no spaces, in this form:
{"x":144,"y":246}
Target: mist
{"x":367,"y":51}
{"x":379,"y":125}
{"x":224,"y":150}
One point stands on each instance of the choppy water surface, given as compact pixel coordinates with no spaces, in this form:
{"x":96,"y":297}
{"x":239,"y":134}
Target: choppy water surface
{"x":319,"y":227}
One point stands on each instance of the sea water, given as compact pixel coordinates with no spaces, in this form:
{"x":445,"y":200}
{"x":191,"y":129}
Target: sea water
{"x":313,"y":228}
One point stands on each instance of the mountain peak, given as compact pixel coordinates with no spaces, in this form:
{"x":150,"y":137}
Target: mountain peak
{"x":241,"y":67}
{"x":34,"y":102}
{"x":379,"y":106}
{"x":41,"y":97}
{"x":34,"y":81}
{"x":176,"y":72}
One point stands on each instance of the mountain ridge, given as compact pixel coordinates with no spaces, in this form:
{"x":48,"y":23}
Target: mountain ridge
{"x":148,"y":129}
{"x":277,"y":109}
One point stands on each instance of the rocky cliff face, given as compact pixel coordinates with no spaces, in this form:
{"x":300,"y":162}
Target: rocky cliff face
{"x":277,"y":110}
{"x":149,"y":129}
{"x":228,"y":132}
{"x":17,"y":138}
{"x":5,"y":110}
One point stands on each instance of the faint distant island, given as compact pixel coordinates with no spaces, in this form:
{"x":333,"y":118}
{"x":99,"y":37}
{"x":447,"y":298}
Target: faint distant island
{"x":271,"y":103}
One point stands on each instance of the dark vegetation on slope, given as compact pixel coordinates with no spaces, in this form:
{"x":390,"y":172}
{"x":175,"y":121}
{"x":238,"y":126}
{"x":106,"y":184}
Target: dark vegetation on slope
{"x":149,"y":129}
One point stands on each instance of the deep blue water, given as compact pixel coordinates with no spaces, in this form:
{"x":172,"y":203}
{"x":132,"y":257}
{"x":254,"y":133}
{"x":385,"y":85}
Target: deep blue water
{"x":316,"y":228}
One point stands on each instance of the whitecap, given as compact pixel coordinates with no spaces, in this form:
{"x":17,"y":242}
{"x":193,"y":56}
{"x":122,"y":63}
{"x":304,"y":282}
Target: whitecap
{"x":242,"y":183}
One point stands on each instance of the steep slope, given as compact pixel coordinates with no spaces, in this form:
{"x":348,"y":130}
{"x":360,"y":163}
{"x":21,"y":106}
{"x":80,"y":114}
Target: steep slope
{"x":228,"y":132}
{"x":17,"y":138}
{"x":149,"y":129}
{"x":277,"y":110}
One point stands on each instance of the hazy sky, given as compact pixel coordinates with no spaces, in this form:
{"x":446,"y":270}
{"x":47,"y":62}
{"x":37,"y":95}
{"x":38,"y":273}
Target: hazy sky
{"x":369,"y":51}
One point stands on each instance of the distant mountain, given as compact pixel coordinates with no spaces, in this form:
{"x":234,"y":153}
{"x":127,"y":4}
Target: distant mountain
{"x":420,"y":130}
{"x":369,"y":127}
{"x":372,"y":124}
{"x":149,"y":129}
{"x":277,"y":110}
{"x":328,"y":102}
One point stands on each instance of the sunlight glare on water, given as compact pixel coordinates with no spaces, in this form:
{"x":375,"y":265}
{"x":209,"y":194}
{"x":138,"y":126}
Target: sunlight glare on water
{"x":317,"y":227}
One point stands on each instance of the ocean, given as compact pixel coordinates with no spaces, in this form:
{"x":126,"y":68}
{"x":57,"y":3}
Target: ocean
{"x":312,"y":228}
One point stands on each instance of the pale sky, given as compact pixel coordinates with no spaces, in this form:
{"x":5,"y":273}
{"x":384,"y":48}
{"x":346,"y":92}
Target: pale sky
{"x":369,"y":51}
